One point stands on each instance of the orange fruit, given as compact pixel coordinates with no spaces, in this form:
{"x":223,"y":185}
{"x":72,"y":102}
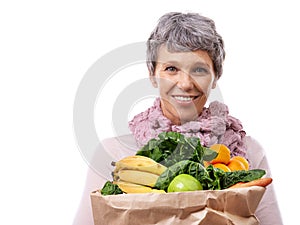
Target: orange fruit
{"x":223,"y":154}
{"x":222,"y":167}
{"x":243,"y":160}
{"x":235,"y":164}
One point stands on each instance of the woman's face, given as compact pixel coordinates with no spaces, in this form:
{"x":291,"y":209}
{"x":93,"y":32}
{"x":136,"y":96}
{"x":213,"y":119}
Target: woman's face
{"x":184,"y":80}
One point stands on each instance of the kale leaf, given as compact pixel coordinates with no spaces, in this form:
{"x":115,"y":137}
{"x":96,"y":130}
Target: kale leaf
{"x":172,"y":147}
{"x":181,"y":167}
{"x":231,"y":178}
{"x":110,"y":188}
{"x":210,"y":178}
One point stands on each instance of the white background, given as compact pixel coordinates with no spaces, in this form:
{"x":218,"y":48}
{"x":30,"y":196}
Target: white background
{"x":47,"y":47}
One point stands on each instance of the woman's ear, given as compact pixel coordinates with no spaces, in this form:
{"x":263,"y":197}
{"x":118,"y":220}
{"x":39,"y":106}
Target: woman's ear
{"x":214,"y":84}
{"x":153,"y":80}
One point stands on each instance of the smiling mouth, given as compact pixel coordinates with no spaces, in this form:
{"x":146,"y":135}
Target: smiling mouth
{"x":184,"y":98}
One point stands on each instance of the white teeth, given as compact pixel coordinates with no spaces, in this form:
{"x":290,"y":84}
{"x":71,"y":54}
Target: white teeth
{"x":183,"y":98}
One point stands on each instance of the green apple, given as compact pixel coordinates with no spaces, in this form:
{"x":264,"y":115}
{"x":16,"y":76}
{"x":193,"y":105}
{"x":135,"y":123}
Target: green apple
{"x":184,"y":182}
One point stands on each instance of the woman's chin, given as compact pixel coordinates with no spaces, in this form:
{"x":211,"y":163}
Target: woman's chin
{"x":187,"y":118}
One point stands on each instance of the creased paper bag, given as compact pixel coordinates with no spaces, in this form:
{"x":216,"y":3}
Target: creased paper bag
{"x":222,"y":207}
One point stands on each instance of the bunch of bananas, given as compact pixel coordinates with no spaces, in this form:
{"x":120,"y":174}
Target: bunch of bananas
{"x":137,"y":174}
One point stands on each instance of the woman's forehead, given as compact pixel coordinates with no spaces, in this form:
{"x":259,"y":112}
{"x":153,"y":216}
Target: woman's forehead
{"x":198,"y":56}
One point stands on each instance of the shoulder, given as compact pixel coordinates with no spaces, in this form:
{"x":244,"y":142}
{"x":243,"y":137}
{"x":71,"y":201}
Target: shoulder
{"x":254,"y":148}
{"x":256,"y":154}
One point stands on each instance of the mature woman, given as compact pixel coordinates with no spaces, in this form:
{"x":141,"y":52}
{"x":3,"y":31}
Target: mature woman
{"x":185,"y":60}
{"x":185,"y":57}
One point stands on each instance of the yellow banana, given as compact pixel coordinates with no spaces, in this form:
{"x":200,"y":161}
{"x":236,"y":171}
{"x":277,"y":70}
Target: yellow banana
{"x":136,"y":177}
{"x":131,"y":188}
{"x":140,"y":163}
{"x":157,"y":191}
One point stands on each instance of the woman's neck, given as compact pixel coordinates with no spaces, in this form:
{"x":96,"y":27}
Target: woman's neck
{"x":175,"y":117}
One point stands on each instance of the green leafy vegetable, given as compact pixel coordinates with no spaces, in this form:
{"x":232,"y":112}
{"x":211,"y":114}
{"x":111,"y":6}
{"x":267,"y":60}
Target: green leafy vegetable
{"x":192,"y":168}
{"x":172,"y":147}
{"x":231,"y":178}
{"x":214,"y":179}
{"x":111,"y":189}
{"x":209,"y":154}
{"x":166,"y":177}
{"x":185,"y":155}
{"x":210,"y":178}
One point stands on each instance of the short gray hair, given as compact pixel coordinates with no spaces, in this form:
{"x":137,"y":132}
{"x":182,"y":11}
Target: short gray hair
{"x":186,"y":32}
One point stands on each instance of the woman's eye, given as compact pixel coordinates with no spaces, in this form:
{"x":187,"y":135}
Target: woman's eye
{"x":200,"y":70}
{"x":171,"y":69}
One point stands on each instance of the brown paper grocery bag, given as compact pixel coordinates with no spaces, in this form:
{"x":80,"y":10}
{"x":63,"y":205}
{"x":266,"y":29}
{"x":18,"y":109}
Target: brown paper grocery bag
{"x":221,"y":207}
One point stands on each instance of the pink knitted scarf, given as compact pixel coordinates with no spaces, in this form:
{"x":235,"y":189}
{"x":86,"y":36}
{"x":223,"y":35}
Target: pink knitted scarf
{"x":214,"y":125}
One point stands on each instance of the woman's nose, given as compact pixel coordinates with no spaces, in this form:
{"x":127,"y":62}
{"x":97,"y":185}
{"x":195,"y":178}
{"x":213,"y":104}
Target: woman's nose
{"x":185,"y":82}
